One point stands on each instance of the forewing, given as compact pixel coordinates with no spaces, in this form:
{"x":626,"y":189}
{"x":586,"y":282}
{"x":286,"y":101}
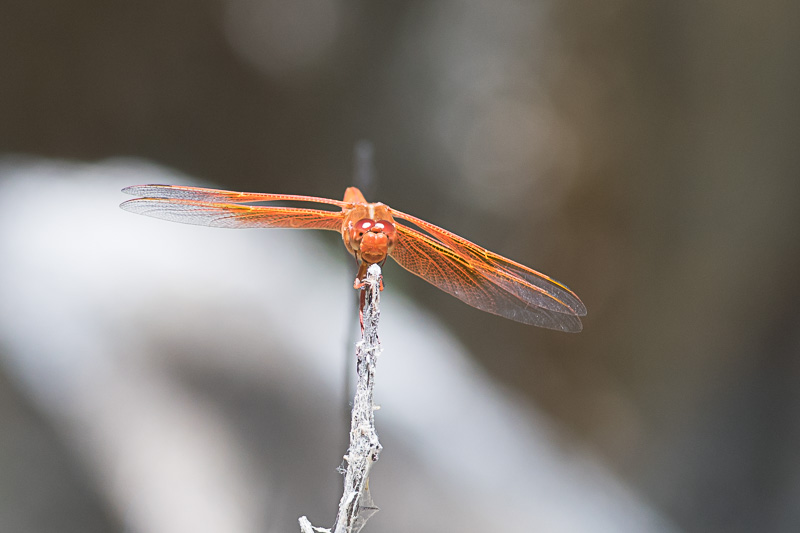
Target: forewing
{"x":441,"y":266}
{"x":223,"y":215}
{"x":529,"y":285}
{"x":199,"y":194}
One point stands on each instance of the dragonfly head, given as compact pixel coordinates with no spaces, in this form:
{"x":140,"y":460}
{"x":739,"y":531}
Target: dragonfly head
{"x":372,"y":240}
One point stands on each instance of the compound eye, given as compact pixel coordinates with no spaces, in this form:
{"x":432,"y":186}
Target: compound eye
{"x":363,"y":226}
{"x":358,"y":230}
{"x":387,"y":228}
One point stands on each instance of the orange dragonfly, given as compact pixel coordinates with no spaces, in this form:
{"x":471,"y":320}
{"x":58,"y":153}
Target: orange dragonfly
{"x":372,"y":232}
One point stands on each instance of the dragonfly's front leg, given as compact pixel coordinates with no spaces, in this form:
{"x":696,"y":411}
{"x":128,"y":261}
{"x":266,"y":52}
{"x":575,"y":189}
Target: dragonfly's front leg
{"x":359,"y":284}
{"x":362,"y":273}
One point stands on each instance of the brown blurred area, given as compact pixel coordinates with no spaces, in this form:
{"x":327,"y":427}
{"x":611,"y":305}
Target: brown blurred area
{"x":645,"y":153}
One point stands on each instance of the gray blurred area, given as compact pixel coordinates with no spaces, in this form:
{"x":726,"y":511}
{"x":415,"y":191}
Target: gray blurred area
{"x":644,"y":153}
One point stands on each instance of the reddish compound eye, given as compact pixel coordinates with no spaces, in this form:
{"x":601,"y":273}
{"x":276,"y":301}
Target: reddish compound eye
{"x":372,"y":239}
{"x":364,"y":225}
{"x":358,"y":230}
{"x":387,"y":228}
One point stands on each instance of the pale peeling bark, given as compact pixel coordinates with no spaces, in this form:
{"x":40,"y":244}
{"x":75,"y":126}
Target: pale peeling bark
{"x":356,"y":505}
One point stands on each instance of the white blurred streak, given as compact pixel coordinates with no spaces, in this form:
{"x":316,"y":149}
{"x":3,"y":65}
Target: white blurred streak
{"x":492,"y":116}
{"x":168,"y":453}
{"x":90,"y":291}
{"x":281,"y":38}
{"x":156,"y":452}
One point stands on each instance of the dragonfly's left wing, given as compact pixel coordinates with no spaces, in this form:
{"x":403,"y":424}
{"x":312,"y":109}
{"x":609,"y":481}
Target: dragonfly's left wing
{"x":539,"y":289}
{"x":492,"y":290}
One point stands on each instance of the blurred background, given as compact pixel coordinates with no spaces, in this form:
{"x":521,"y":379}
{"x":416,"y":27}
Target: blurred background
{"x":644,"y":153}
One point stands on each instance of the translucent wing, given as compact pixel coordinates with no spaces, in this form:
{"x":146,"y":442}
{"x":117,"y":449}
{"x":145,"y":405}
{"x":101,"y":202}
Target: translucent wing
{"x":200,"y":194}
{"x":484,"y":279}
{"x":223,"y":215}
{"x":480,"y":278}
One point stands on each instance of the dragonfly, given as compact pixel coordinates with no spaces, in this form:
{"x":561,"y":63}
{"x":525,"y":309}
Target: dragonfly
{"x":374,"y":231}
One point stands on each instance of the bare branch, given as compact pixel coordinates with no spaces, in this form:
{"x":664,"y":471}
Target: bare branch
{"x":356,"y":505}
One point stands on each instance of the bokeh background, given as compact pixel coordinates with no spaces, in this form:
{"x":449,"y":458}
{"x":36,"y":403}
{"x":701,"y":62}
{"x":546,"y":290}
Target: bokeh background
{"x":645,"y":153}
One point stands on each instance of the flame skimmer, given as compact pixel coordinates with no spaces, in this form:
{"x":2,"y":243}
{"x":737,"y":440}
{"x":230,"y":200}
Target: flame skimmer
{"x":373,"y":231}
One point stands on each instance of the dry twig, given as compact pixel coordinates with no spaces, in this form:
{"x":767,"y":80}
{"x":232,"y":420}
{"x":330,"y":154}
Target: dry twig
{"x":356,"y":505}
